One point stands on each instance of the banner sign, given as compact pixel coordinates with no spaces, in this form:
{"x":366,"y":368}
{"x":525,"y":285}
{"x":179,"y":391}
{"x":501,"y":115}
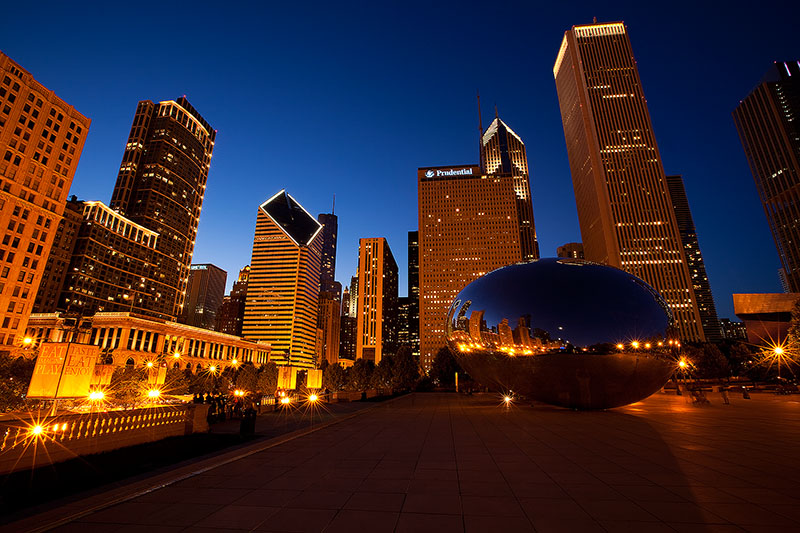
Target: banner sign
{"x":63,"y":370}
{"x":287,"y":377}
{"x":314,"y":380}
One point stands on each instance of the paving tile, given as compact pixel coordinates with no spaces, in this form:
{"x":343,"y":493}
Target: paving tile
{"x":237,"y":517}
{"x":267,"y":497}
{"x":435,"y":503}
{"x":298,"y":520}
{"x":494,"y":524}
{"x":375,"y":501}
{"x":491,"y":506}
{"x":546,"y":509}
{"x":429,"y":523}
{"x":319,"y":499}
{"x":349,"y":521}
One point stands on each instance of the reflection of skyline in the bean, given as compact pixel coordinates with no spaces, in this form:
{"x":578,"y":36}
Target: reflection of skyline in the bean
{"x":564,"y":331}
{"x":598,"y":310}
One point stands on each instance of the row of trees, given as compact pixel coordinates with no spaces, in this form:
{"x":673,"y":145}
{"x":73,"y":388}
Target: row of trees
{"x":399,"y":372}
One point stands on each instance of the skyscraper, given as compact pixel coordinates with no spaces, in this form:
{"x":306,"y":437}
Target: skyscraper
{"x":353,"y":296}
{"x":376,"y":327}
{"x":330,"y":229}
{"x":768,"y":121}
{"x":283,"y":288}
{"x":41,"y":138}
{"x":204,"y":295}
{"x":59,"y":259}
{"x":573,"y":250}
{"x":694,"y":259}
{"x":231,"y":312}
{"x":624,"y":209}
{"x":503,"y":154}
{"x":413,"y":292}
{"x":160,"y":186}
{"x":468,"y":226}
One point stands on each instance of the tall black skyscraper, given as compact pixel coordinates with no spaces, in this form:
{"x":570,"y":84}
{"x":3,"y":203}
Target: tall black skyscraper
{"x":160,"y":186}
{"x":330,"y":228}
{"x":204,"y":296}
{"x":413,"y":291}
{"x":768,"y":120}
{"x":694,"y":259}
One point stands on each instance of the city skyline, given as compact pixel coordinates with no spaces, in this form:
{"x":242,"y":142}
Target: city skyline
{"x":225,"y":233}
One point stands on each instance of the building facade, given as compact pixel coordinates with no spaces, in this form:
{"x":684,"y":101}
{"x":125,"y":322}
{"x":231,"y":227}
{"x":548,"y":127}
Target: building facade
{"x":161,"y":185}
{"x":572,"y":250}
{"x":694,"y":259}
{"x":204,"y":295}
{"x":282,"y":301}
{"x":624,"y":208}
{"x":58,"y":261}
{"x":503,"y":154}
{"x":41,"y":139}
{"x":112,"y":267}
{"x":135,"y":340}
{"x":231,"y":312}
{"x":330,"y":230}
{"x":468,"y":226}
{"x":376,"y":326}
{"x":413,"y":292}
{"x":768,"y":121}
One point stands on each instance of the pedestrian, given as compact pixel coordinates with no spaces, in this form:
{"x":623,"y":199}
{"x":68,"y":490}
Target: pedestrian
{"x":724,"y":391}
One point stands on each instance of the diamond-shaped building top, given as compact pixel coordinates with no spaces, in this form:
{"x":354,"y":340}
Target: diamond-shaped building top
{"x":290,"y":216}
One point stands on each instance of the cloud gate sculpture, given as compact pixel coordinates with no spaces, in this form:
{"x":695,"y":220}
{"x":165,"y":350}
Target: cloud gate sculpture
{"x":566,"y":332}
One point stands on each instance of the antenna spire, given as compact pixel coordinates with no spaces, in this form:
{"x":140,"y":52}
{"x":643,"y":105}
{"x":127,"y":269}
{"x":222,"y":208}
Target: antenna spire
{"x":333,"y":208}
{"x":594,"y":20}
{"x":496,"y":115}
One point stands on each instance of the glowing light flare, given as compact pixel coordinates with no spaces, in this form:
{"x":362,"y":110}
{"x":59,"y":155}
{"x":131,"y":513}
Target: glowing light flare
{"x":635,"y":344}
{"x":620,"y":346}
{"x":286,"y":400}
{"x":96,"y":395}
{"x":149,"y":364}
{"x":27,"y":341}
{"x":234,"y":362}
{"x":37,"y":430}
{"x":683,"y":363}
{"x":313,"y":398}
{"x":153,"y":393}
{"x":176,"y":355}
{"x":212,"y":368}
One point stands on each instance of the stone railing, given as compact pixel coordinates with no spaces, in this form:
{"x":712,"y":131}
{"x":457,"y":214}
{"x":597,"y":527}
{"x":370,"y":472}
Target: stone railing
{"x":30,"y":442}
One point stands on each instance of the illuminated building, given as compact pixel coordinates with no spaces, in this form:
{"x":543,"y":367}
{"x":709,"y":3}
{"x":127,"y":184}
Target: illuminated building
{"x":346,"y":302}
{"x":767,"y":317}
{"x":347,"y":337}
{"x":468,"y":226}
{"x":231,"y":312}
{"x":204,"y":295}
{"x":329,"y":322}
{"x":624,"y":208}
{"x":111,"y":268}
{"x":768,"y":121}
{"x":160,"y":186}
{"x":413,"y":292}
{"x":404,"y":322}
{"x":376,"y":326}
{"x":282,"y":305}
{"x":353,"y":297}
{"x":134,"y":340}
{"x":573,"y":250}
{"x":41,"y":138}
{"x":330,"y":229}
{"x":733,"y":330}
{"x":503,"y":154}
{"x":694,"y":259}
{"x":59,"y":259}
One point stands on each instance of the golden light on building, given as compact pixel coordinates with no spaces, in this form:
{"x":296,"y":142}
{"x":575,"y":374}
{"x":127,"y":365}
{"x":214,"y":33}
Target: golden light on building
{"x":41,"y":138}
{"x":376,"y":320}
{"x":624,"y":207}
{"x":281,"y":306}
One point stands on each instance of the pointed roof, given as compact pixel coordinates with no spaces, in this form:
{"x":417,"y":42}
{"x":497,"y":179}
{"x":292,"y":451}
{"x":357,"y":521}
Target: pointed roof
{"x":292,"y":218}
{"x":498,"y":125}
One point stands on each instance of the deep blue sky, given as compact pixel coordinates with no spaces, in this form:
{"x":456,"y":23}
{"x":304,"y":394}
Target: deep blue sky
{"x":326,"y":97}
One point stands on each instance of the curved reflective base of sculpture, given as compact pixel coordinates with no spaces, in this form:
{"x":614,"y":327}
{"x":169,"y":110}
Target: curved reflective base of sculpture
{"x":576,"y":381}
{"x":566,"y":332}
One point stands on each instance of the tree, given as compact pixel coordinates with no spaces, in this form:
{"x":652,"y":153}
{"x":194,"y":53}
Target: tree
{"x":128,"y":387}
{"x":406,"y":370}
{"x":334,"y":377}
{"x":711,"y":364}
{"x":359,"y":377}
{"x":267,"y":382}
{"x":444,"y":368}
{"x":16,"y":375}
{"x":176,"y":381}
{"x":384,"y":372}
{"x":246,"y":378}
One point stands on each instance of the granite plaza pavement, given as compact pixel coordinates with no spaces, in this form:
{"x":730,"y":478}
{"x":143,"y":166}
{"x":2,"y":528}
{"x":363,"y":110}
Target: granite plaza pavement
{"x":446,"y":462}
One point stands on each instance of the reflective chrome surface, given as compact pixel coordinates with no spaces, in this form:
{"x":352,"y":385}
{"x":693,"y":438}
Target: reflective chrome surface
{"x":564,"y":331}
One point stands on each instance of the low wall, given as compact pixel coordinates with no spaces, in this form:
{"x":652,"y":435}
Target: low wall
{"x":68,"y":436}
